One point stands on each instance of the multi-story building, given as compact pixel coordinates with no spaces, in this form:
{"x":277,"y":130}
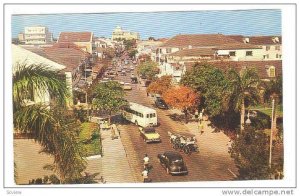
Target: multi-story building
{"x":175,"y":54}
{"x":271,"y":45}
{"x":84,"y":40}
{"x":120,"y":34}
{"x":36,"y":35}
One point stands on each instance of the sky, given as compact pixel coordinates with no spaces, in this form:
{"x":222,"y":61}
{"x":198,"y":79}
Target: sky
{"x":158,"y":24}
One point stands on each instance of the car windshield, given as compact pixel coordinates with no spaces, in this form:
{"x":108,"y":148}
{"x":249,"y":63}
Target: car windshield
{"x":149,"y":130}
{"x":177,"y":162}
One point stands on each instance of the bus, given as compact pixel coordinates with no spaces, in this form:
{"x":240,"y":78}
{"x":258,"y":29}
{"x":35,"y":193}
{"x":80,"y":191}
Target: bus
{"x":140,"y":115}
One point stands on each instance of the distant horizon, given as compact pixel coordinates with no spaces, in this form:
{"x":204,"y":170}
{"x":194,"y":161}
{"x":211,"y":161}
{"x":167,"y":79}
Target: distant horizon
{"x":158,"y":24}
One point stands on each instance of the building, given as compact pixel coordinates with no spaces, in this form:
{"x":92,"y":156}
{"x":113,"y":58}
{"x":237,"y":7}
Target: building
{"x":181,"y":49}
{"x":73,"y":62}
{"x":22,"y":56}
{"x":120,"y":34}
{"x":271,"y":45}
{"x":36,"y":35}
{"x":84,"y":40}
{"x":148,"y":47}
{"x":266,"y":70}
{"x":21,"y":38}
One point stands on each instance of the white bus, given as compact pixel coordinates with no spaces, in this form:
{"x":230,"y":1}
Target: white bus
{"x":140,"y":115}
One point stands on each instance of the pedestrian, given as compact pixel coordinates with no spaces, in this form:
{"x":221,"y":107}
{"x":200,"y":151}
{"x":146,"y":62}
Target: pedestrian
{"x":112,"y":131}
{"x":201,"y":126}
{"x":145,"y":175}
{"x":146,"y":162}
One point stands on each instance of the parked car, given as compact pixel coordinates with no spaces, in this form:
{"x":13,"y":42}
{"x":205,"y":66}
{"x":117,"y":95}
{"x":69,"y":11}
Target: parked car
{"x":149,"y":134}
{"x":173,"y":163}
{"x":127,"y":86}
{"x":160,"y":103}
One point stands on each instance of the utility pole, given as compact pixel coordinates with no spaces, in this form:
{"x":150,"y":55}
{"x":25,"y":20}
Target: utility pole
{"x":271,"y":133}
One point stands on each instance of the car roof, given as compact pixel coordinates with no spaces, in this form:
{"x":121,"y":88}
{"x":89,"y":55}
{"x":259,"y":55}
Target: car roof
{"x":149,"y":129}
{"x":173,"y":155}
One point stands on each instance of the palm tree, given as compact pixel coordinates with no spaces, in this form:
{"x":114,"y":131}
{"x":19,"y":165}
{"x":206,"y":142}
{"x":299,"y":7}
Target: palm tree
{"x":273,"y":91}
{"x":55,"y":131}
{"x":243,"y":88}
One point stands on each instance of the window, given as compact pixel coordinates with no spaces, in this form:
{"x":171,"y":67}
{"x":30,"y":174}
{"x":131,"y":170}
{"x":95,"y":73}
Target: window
{"x":272,"y":71}
{"x":266,"y":56}
{"x":268,"y":48}
{"x":249,"y":53}
{"x":232,"y":53}
{"x":277,"y":47}
{"x":277,"y":56}
{"x":168,"y":50}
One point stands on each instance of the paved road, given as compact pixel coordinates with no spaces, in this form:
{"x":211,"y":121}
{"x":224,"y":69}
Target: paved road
{"x":209,"y":164}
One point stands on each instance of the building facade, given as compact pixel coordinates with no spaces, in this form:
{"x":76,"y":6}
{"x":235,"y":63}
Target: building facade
{"x":36,"y":35}
{"x":120,"y":34}
{"x":84,"y":40}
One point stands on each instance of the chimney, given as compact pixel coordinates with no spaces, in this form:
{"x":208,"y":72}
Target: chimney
{"x":246,"y":40}
{"x":275,"y":39}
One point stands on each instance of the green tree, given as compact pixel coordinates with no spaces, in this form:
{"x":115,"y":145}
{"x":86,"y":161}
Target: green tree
{"x":211,"y":84}
{"x":50,"y":127}
{"x":109,"y":97}
{"x":129,"y":44}
{"x":273,"y":91}
{"x":243,"y":89}
{"x":148,"y":69}
{"x":251,"y":154}
{"x":132,"y":53}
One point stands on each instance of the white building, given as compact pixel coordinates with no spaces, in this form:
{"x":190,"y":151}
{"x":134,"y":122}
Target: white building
{"x":36,"y":35}
{"x":119,"y":33}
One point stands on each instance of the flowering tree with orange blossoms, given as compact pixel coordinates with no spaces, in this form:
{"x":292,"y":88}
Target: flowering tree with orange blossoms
{"x":181,"y":97}
{"x":160,"y":85}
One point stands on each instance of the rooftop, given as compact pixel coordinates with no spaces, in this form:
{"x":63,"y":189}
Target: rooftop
{"x":199,"y":40}
{"x":194,"y":52}
{"x":261,"y":66}
{"x":75,"y":37}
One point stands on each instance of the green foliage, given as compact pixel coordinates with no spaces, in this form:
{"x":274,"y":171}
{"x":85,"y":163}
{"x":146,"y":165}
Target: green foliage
{"x":148,"y":69}
{"x":273,"y":89}
{"x":37,"y":79}
{"x":90,"y":139}
{"x":80,"y":114}
{"x":109,"y":97}
{"x":211,"y":84}
{"x":57,"y":132}
{"x":132,"y":53}
{"x":129,"y":44}
{"x":251,"y":154}
{"x":243,"y":87}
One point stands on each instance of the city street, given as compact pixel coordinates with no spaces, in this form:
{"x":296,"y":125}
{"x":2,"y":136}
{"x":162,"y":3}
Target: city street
{"x":212,"y":163}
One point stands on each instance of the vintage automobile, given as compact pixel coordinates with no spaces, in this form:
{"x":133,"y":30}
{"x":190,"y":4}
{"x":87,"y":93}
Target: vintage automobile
{"x":160,"y":103}
{"x":173,"y":163}
{"x":149,"y":134}
{"x":184,"y":142}
{"x":127,"y":86}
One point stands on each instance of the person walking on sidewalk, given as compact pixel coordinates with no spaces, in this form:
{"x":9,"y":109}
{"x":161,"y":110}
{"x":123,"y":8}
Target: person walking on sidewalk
{"x":145,"y":175}
{"x":146,"y":162}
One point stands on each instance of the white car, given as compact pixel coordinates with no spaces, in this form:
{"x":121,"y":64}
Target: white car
{"x":127,"y":86}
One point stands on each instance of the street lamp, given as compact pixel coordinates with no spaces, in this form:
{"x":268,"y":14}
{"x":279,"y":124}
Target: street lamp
{"x":271,"y":133}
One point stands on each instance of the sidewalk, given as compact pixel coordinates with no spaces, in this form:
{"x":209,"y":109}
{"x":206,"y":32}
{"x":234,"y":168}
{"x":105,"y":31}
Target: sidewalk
{"x":211,"y":143}
{"x":113,"y":166}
